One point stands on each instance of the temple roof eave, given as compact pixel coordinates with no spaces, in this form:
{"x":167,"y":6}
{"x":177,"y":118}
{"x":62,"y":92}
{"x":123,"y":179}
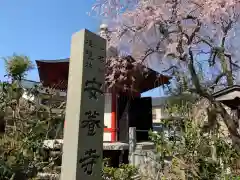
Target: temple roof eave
{"x":154,"y":79}
{"x":225,"y":91}
{"x":53,"y":61}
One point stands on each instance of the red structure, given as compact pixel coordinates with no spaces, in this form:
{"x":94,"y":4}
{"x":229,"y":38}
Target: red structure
{"x":54,"y":73}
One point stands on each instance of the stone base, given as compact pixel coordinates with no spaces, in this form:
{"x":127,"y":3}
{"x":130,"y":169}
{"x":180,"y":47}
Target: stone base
{"x":57,"y":144}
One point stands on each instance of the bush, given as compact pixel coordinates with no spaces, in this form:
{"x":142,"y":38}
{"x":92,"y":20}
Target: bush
{"x":124,"y":172}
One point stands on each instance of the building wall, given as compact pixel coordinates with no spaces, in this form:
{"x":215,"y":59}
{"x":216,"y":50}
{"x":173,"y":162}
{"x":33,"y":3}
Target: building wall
{"x":158,"y":109}
{"x":158,"y":114}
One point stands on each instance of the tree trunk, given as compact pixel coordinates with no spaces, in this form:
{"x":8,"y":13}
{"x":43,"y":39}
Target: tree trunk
{"x":231,"y":124}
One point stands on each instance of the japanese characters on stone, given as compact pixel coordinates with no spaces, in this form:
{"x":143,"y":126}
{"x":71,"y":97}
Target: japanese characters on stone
{"x":100,"y":56}
{"x":93,"y":88}
{"x":92,"y":119}
{"x":89,"y":54}
{"x":88,"y":160}
{"x":89,"y":42}
{"x":83,"y":137}
{"x":91,"y":122}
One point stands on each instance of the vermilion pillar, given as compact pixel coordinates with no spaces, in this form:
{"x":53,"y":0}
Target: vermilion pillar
{"x":114,"y":117}
{"x":113,"y":109}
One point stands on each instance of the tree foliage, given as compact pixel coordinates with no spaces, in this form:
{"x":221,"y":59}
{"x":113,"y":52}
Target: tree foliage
{"x":17,"y":66}
{"x":193,"y":154}
{"x":124,"y":172}
{"x":27,"y":123}
{"x":195,"y":42}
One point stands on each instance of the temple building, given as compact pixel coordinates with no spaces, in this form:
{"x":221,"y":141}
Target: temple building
{"x":123,"y":109}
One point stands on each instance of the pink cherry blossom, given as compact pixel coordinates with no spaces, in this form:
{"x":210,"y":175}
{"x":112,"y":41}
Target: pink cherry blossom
{"x":163,"y":32}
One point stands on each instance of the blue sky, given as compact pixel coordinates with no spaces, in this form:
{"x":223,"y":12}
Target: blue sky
{"x":42,"y":29}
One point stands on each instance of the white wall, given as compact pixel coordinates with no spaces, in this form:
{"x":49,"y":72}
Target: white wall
{"x":159,"y":114}
{"x":107,"y":116}
{"x":108,"y":110}
{"x":107,"y":136}
{"x":158,"y":108}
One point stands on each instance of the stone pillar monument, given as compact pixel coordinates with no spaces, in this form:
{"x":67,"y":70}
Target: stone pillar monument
{"x":83,"y":135}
